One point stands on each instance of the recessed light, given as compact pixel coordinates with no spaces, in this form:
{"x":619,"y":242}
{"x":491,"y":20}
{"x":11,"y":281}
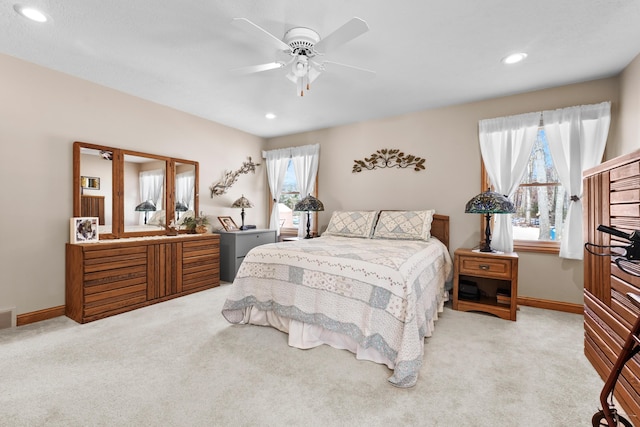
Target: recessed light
{"x":514,"y":58}
{"x":270,"y":116}
{"x":30,"y":13}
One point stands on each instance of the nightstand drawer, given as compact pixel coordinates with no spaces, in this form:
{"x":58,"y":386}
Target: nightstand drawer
{"x":246,"y":242}
{"x":486,"y":267}
{"x":234,"y":246}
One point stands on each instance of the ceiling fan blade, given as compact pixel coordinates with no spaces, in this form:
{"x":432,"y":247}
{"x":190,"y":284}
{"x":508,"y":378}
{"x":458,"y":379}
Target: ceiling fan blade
{"x":260,"y":33}
{"x":258,"y":68}
{"x":313,"y":74}
{"x":342,"y":35}
{"x":362,"y":72}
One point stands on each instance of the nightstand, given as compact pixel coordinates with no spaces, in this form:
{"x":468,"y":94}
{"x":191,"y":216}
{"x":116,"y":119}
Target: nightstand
{"x":234,"y":246}
{"x":491,"y":272}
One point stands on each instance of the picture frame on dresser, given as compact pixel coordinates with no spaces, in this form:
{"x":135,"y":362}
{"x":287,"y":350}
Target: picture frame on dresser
{"x":84,"y":230}
{"x":228,"y":223}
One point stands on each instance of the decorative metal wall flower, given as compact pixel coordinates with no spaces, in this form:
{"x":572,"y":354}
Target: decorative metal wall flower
{"x":389,"y":158}
{"x":229,"y":178}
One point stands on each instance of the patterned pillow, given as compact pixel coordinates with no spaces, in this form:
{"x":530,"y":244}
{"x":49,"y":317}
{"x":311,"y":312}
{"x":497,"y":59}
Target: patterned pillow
{"x":351,"y":223}
{"x":404,"y":225}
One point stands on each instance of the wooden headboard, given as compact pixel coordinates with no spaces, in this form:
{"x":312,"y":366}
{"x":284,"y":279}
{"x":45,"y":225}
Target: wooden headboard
{"x":440,"y":228}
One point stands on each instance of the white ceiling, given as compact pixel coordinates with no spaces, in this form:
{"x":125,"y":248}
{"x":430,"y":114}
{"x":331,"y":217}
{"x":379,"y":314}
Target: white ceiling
{"x":426,"y":54}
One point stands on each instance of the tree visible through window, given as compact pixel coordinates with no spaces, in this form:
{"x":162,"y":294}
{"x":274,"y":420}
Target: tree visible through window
{"x":289,"y":219}
{"x":541,"y":201}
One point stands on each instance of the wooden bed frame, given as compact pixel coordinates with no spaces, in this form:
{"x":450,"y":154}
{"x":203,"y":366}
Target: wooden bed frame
{"x":440,"y":228}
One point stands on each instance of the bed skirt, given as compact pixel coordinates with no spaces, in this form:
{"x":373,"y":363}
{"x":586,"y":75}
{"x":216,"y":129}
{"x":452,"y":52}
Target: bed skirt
{"x":305,"y":336}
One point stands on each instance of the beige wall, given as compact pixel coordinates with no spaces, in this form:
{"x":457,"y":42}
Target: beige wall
{"x":629,"y":122}
{"x":448,"y":139}
{"x":42,"y":112}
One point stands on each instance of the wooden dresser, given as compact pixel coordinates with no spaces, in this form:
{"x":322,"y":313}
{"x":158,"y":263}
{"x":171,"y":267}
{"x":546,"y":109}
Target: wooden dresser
{"x":612,"y":198}
{"x":111,"y":277}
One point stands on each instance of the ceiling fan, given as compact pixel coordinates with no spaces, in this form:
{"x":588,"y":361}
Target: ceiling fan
{"x":304,"y":46}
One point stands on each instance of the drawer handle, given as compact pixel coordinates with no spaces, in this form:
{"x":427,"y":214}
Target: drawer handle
{"x":484,"y":266}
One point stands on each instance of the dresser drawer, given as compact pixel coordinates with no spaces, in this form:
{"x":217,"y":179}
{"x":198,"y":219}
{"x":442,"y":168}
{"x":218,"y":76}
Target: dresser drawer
{"x":246,"y":242}
{"x":485,"y":267}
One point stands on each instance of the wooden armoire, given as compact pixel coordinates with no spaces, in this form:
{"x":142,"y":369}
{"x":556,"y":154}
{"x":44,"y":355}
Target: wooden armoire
{"x":612,"y":198}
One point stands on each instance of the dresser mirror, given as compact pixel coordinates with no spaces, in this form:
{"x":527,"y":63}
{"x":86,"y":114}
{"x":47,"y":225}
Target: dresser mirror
{"x":144,"y":198}
{"x":185,"y":187}
{"x":96,"y":202}
{"x":139,"y":193}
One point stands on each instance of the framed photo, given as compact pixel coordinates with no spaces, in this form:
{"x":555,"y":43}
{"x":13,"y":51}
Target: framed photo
{"x":90,"y":182}
{"x":227,"y":223}
{"x":84,"y":230}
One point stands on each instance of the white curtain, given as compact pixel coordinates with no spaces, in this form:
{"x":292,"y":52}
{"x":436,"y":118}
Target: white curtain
{"x":185,"y":186}
{"x":277,"y":163}
{"x":305,"y":165}
{"x":577,"y":137}
{"x":151,"y":185}
{"x":506,"y":144}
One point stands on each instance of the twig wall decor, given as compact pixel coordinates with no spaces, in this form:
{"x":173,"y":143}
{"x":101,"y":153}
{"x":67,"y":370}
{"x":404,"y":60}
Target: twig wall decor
{"x":389,"y":158}
{"x":229,"y":178}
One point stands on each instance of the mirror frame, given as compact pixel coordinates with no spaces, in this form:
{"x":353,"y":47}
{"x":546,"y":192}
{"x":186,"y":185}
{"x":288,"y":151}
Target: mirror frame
{"x":117,"y":174}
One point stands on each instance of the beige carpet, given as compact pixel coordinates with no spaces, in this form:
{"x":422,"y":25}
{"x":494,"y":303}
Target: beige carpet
{"x":180,"y":363}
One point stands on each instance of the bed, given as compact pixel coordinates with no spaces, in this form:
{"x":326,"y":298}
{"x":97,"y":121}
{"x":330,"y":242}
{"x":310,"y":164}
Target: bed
{"x":373,"y":284}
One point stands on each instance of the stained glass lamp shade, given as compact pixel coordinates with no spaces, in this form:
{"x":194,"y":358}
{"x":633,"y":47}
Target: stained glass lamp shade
{"x":309,"y":204}
{"x":145,"y":207}
{"x":488,"y":203}
{"x":242,"y":203}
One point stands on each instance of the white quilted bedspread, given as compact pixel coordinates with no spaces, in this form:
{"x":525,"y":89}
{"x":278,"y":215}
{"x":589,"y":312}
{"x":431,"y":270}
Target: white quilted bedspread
{"x":384,"y":294}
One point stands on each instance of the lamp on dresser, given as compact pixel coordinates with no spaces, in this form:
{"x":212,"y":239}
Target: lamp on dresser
{"x":180,"y":207}
{"x":488,"y":203}
{"x":309,"y":204}
{"x":242,"y":203}
{"x":145,"y":207}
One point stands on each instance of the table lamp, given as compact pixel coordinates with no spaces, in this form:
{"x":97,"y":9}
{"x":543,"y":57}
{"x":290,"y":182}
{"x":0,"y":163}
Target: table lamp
{"x":309,"y":204}
{"x":145,"y":207}
{"x":488,"y":203}
{"x":242,"y":203}
{"x":180,"y":207}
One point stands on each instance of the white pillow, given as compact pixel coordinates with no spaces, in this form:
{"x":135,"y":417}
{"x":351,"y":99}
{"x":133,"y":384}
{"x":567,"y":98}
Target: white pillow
{"x":404,"y":225}
{"x":158,"y":218}
{"x":185,"y":215}
{"x":351,"y":224}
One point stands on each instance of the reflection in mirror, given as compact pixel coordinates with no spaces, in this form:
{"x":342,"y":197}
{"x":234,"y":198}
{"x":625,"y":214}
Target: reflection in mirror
{"x":185,"y":191}
{"x":97,"y":201}
{"x":144,"y":193}
{"x":119,"y":186}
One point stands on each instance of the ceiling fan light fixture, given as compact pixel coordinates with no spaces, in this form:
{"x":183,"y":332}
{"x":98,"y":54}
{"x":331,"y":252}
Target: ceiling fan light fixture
{"x":301,"y":66}
{"x":514,"y":58}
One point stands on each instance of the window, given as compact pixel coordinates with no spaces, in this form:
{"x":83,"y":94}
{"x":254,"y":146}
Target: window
{"x":541,"y":202}
{"x":289,"y":219}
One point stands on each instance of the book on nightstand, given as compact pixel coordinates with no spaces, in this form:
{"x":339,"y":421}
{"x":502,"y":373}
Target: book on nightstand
{"x":503,"y":296}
